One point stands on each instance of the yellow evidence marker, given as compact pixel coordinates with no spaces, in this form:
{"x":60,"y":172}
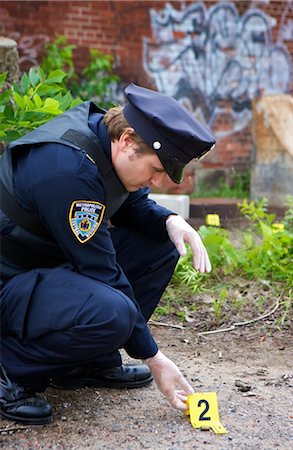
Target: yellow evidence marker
{"x":213,"y":219}
{"x":204,"y":413}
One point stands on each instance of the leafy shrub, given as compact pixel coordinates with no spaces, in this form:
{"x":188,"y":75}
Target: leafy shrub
{"x":95,"y":80}
{"x":265,"y":251}
{"x":37,"y":98}
{"x":59,"y":55}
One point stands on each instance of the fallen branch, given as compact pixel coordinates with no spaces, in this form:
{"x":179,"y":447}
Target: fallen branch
{"x":16,"y":428}
{"x":260,"y":317}
{"x":162,"y":324}
{"x":241,"y":324}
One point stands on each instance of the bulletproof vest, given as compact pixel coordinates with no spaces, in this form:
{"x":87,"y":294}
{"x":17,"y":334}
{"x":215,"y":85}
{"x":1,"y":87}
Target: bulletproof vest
{"x":30,"y":241}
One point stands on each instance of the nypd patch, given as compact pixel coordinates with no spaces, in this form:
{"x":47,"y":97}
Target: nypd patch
{"x":85,"y":217}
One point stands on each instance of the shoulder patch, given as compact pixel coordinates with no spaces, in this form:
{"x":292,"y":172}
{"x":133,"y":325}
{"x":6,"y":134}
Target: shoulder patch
{"x":85,"y":217}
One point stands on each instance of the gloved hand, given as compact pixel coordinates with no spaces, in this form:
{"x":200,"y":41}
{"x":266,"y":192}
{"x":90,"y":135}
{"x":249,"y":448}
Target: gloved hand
{"x":180,"y":232}
{"x":168,"y":378}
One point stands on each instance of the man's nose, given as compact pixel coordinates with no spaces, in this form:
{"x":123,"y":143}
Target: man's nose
{"x":157,"y":179}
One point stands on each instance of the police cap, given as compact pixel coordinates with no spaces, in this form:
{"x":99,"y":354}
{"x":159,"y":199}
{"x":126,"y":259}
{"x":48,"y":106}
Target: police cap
{"x":168,"y":128}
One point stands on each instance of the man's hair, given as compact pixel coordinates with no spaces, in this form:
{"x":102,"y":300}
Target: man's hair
{"x":116,"y":124}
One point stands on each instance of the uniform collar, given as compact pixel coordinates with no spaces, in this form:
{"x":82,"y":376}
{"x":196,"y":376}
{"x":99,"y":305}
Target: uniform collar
{"x":96,"y":124}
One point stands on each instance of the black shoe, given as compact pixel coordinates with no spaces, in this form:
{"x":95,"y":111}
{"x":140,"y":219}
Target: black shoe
{"x":22,"y":405}
{"x":127,"y":376}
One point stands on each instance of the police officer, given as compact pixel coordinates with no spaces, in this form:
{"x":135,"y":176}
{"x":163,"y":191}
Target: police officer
{"x":86,"y":255}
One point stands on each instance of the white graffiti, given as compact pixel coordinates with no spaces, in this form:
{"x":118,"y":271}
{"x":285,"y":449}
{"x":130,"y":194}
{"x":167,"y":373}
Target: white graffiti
{"x":286,"y":25}
{"x":216,"y":61}
{"x":30,"y":48}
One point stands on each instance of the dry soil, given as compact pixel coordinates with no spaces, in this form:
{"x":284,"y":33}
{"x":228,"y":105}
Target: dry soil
{"x":249,"y":369}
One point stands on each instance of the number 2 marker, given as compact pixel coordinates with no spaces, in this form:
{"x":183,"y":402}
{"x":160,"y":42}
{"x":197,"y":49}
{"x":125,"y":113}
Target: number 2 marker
{"x":204,"y":413}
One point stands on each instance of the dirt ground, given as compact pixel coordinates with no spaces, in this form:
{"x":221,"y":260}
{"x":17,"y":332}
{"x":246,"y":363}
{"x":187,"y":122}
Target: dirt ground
{"x":250,"y":369}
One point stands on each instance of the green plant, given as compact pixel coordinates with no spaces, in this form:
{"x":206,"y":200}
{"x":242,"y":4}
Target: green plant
{"x":37,"y":98}
{"x":261,"y":302}
{"x":263,"y":256}
{"x":185,"y":274}
{"x":238,"y":187}
{"x":271,"y":257}
{"x":181,"y":315}
{"x":220,"y":249}
{"x":256,"y":211}
{"x":287,"y":304}
{"x":218,"y":304}
{"x":95,"y":79}
{"x":59,"y":55}
{"x":288,"y":216}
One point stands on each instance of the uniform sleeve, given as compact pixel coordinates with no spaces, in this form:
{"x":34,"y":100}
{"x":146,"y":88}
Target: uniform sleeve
{"x":71,"y":179}
{"x":143,"y":214}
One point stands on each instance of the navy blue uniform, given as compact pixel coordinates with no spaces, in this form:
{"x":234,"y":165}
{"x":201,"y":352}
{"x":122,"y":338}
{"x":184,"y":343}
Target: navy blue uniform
{"x":99,"y":295}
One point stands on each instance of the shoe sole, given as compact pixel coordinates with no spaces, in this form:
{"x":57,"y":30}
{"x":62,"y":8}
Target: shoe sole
{"x":89,"y":382}
{"x":27,"y":420}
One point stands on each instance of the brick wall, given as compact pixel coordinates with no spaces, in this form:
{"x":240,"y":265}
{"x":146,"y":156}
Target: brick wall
{"x":215,"y":57}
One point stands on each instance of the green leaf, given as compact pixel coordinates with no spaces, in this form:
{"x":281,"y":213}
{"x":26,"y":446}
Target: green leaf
{"x":4,"y":97}
{"x":34,"y":76}
{"x":28,"y":102}
{"x":17,"y":89}
{"x":2,"y":78}
{"x":19,"y":100}
{"x":49,"y":90}
{"x":66,"y":101}
{"x":23,"y":123}
{"x":9,"y":112}
{"x":266,"y":230}
{"x":25,"y":83}
{"x":50,"y":106}
{"x":38,"y":101}
{"x":57,"y":76}
{"x":75,"y":102}
{"x":12,"y":135}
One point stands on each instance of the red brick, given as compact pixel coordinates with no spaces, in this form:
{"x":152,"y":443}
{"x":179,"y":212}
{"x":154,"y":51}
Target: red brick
{"x":117,"y":27}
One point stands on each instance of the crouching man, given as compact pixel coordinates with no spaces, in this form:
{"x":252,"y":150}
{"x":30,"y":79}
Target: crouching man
{"x":86,"y":255}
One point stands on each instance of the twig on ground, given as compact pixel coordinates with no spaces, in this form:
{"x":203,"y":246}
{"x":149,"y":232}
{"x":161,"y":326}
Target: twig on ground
{"x":162,"y":324}
{"x":16,"y":428}
{"x":240,"y":324}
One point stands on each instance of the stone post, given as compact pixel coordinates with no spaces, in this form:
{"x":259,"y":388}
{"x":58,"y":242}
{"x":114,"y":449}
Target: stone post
{"x":272,"y":169}
{"x":9,"y":59}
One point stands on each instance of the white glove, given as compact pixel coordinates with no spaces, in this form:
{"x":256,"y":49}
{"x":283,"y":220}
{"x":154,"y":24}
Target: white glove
{"x":180,"y":232}
{"x":168,"y":377}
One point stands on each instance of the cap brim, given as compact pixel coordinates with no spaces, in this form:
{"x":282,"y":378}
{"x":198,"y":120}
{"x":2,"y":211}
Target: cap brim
{"x":175,"y":171}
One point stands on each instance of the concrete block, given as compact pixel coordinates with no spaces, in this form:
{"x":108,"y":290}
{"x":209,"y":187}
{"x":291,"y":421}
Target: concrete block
{"x":180,"y":204}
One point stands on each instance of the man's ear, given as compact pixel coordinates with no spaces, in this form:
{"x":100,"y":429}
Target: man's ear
{"x":125,"y":139}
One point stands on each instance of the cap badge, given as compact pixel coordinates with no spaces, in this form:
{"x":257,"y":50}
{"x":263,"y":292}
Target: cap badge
{"x":157,"y":145}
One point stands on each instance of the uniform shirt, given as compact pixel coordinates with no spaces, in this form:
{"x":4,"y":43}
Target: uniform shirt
{"x":49,"y":178}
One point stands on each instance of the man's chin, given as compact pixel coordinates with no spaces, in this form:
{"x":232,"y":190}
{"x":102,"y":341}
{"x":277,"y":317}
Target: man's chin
{"x":133,"y":188}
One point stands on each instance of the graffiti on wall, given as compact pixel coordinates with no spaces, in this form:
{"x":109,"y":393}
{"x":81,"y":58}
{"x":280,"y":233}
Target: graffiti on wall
{"x":286,"y":24}
{"x":211,"y":58}
{"x":29,"y":48}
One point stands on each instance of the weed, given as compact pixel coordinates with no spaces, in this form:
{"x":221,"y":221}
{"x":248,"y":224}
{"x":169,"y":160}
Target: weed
{"x":218,"y":304}
{"x":264,"y":253}
{"x":181,"y":315}
{"x":238,"y":187}
{"x":287,"y":305}
{"x":261,"y":302}
{"x":288,"y":216}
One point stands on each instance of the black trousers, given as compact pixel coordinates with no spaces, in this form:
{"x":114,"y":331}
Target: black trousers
{"x":56,"y":319}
